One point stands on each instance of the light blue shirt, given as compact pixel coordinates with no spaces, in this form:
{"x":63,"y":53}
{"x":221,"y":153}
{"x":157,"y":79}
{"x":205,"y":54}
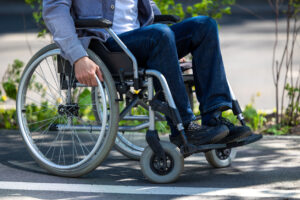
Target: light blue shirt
{"x":126,"y":16}
{"x":59,"y":14}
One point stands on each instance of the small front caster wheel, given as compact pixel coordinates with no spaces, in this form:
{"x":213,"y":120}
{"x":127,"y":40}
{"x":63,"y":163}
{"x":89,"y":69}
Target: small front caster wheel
{"x":152,"y":167}
{"x":220,"y":158}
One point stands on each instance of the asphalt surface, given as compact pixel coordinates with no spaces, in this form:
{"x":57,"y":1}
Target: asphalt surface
{"x":271,"y":164}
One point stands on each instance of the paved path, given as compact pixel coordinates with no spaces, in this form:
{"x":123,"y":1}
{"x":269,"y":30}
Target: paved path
{"x":267,"y":169}
{"x":246,"y":46}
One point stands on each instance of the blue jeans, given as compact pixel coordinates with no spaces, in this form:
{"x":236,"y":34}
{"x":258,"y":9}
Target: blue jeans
{"x":159,"y":47}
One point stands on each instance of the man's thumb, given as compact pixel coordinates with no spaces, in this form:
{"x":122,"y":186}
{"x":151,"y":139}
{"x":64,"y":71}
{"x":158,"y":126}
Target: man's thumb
{"x":99,"y":74}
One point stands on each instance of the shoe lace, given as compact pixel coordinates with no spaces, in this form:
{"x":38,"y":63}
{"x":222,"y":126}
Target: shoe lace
{"x":193,"y":126}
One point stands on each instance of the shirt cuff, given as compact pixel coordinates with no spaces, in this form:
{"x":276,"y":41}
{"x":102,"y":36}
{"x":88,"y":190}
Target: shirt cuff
{"x":76,"y":53}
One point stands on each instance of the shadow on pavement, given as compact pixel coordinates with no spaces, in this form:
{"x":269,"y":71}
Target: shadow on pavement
{"x":259,"y":164}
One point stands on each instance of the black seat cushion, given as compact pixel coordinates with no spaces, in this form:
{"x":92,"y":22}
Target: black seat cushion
{"x":114,"y":60}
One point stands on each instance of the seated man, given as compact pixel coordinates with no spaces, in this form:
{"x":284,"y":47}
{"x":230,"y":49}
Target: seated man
{"x":158,"y":47}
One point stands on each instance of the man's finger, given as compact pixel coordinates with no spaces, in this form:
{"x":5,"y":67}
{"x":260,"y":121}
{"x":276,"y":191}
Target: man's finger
{"x":99,"y":74}
{"x":80,"y":80}
{"x":94,"y":82}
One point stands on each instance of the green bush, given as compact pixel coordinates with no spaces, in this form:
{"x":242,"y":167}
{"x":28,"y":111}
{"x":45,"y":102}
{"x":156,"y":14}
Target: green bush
{"x":278,"y":129}
{"x":254,"y":119}
{"x":213,"y":8}
{"x":12,"y":78}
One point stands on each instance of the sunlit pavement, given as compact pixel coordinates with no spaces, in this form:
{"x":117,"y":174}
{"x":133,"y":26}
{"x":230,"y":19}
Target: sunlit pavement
{"x":267,"y":169}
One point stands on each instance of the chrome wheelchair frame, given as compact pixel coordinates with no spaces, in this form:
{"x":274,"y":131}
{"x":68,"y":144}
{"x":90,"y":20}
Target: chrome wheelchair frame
{"x":161,"y":162}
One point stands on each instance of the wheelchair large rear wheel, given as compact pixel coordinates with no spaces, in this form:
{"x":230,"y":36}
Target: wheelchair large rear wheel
{"x":56,"y":116}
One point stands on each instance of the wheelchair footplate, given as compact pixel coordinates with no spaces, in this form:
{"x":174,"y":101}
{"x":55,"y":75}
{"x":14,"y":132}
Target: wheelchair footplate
{"x":251,"y":139}
{"x":190,"y":149}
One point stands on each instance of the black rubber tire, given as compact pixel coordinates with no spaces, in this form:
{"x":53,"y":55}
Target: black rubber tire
{"x":178,"y":164}
{"x":214,"y":160}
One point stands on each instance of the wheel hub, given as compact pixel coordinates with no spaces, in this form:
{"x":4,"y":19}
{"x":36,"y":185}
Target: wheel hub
{"x":159,"y":167}
{"x":223,"y":154}
{"x":69,"y":109}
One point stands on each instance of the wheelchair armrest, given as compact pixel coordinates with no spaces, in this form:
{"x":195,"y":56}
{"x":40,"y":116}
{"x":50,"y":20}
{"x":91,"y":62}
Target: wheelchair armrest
{"x":166,"y":19}
{"x":92,"y":23}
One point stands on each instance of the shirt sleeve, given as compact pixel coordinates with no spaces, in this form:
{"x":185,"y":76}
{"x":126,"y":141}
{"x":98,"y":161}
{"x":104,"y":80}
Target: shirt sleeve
{"x":156,"y":10}
{"x":58,"y":19}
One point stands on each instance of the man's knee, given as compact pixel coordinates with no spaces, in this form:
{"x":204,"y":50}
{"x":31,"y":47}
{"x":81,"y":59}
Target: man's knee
{"x":162,"y":32}
{"x":205,"y":23}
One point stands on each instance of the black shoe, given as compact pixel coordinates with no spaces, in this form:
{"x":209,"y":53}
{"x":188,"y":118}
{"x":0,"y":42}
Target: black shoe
{"x":199,"y":135}
{"x":236,"y":133}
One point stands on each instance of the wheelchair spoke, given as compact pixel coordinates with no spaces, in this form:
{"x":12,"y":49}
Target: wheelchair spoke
{"x":61,"y":151}
{"x":42,"y":120}
{"x":47,"y":81}
{"x":59,"y":132}
{"x":50,"y":69}
{"x":48,"y":84}
{"x":40,"y":96}
{"x":40,"y":127}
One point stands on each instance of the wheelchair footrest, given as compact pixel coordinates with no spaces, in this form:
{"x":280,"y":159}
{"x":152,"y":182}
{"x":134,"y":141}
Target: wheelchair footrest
{"x":251,"y":139}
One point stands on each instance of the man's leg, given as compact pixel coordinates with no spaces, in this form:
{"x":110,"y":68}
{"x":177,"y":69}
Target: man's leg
{"x":199,"y":36}
{"x":154,"y":47}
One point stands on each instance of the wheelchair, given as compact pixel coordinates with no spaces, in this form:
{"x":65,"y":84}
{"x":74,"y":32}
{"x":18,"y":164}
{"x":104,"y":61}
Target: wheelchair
{"x":69,"y":128}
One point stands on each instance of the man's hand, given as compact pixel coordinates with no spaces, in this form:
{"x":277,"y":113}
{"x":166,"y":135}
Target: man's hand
{"x":85,"y":70}
{"x":182,"y":60}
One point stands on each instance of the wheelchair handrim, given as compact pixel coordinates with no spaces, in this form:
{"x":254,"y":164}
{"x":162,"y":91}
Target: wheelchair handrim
{"x":23,"y":127}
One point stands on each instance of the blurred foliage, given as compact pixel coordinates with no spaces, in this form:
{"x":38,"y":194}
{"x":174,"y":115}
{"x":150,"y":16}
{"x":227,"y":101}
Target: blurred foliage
{"x":254,"y":119}
{"x":213,"y":8}
{"x":37,"y":6}
{"x":278,"y":129}
{"x":161,"y":126}
{"x":11,"y":80}
{"x":8,"y":119}
{"x":291,"y":115}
